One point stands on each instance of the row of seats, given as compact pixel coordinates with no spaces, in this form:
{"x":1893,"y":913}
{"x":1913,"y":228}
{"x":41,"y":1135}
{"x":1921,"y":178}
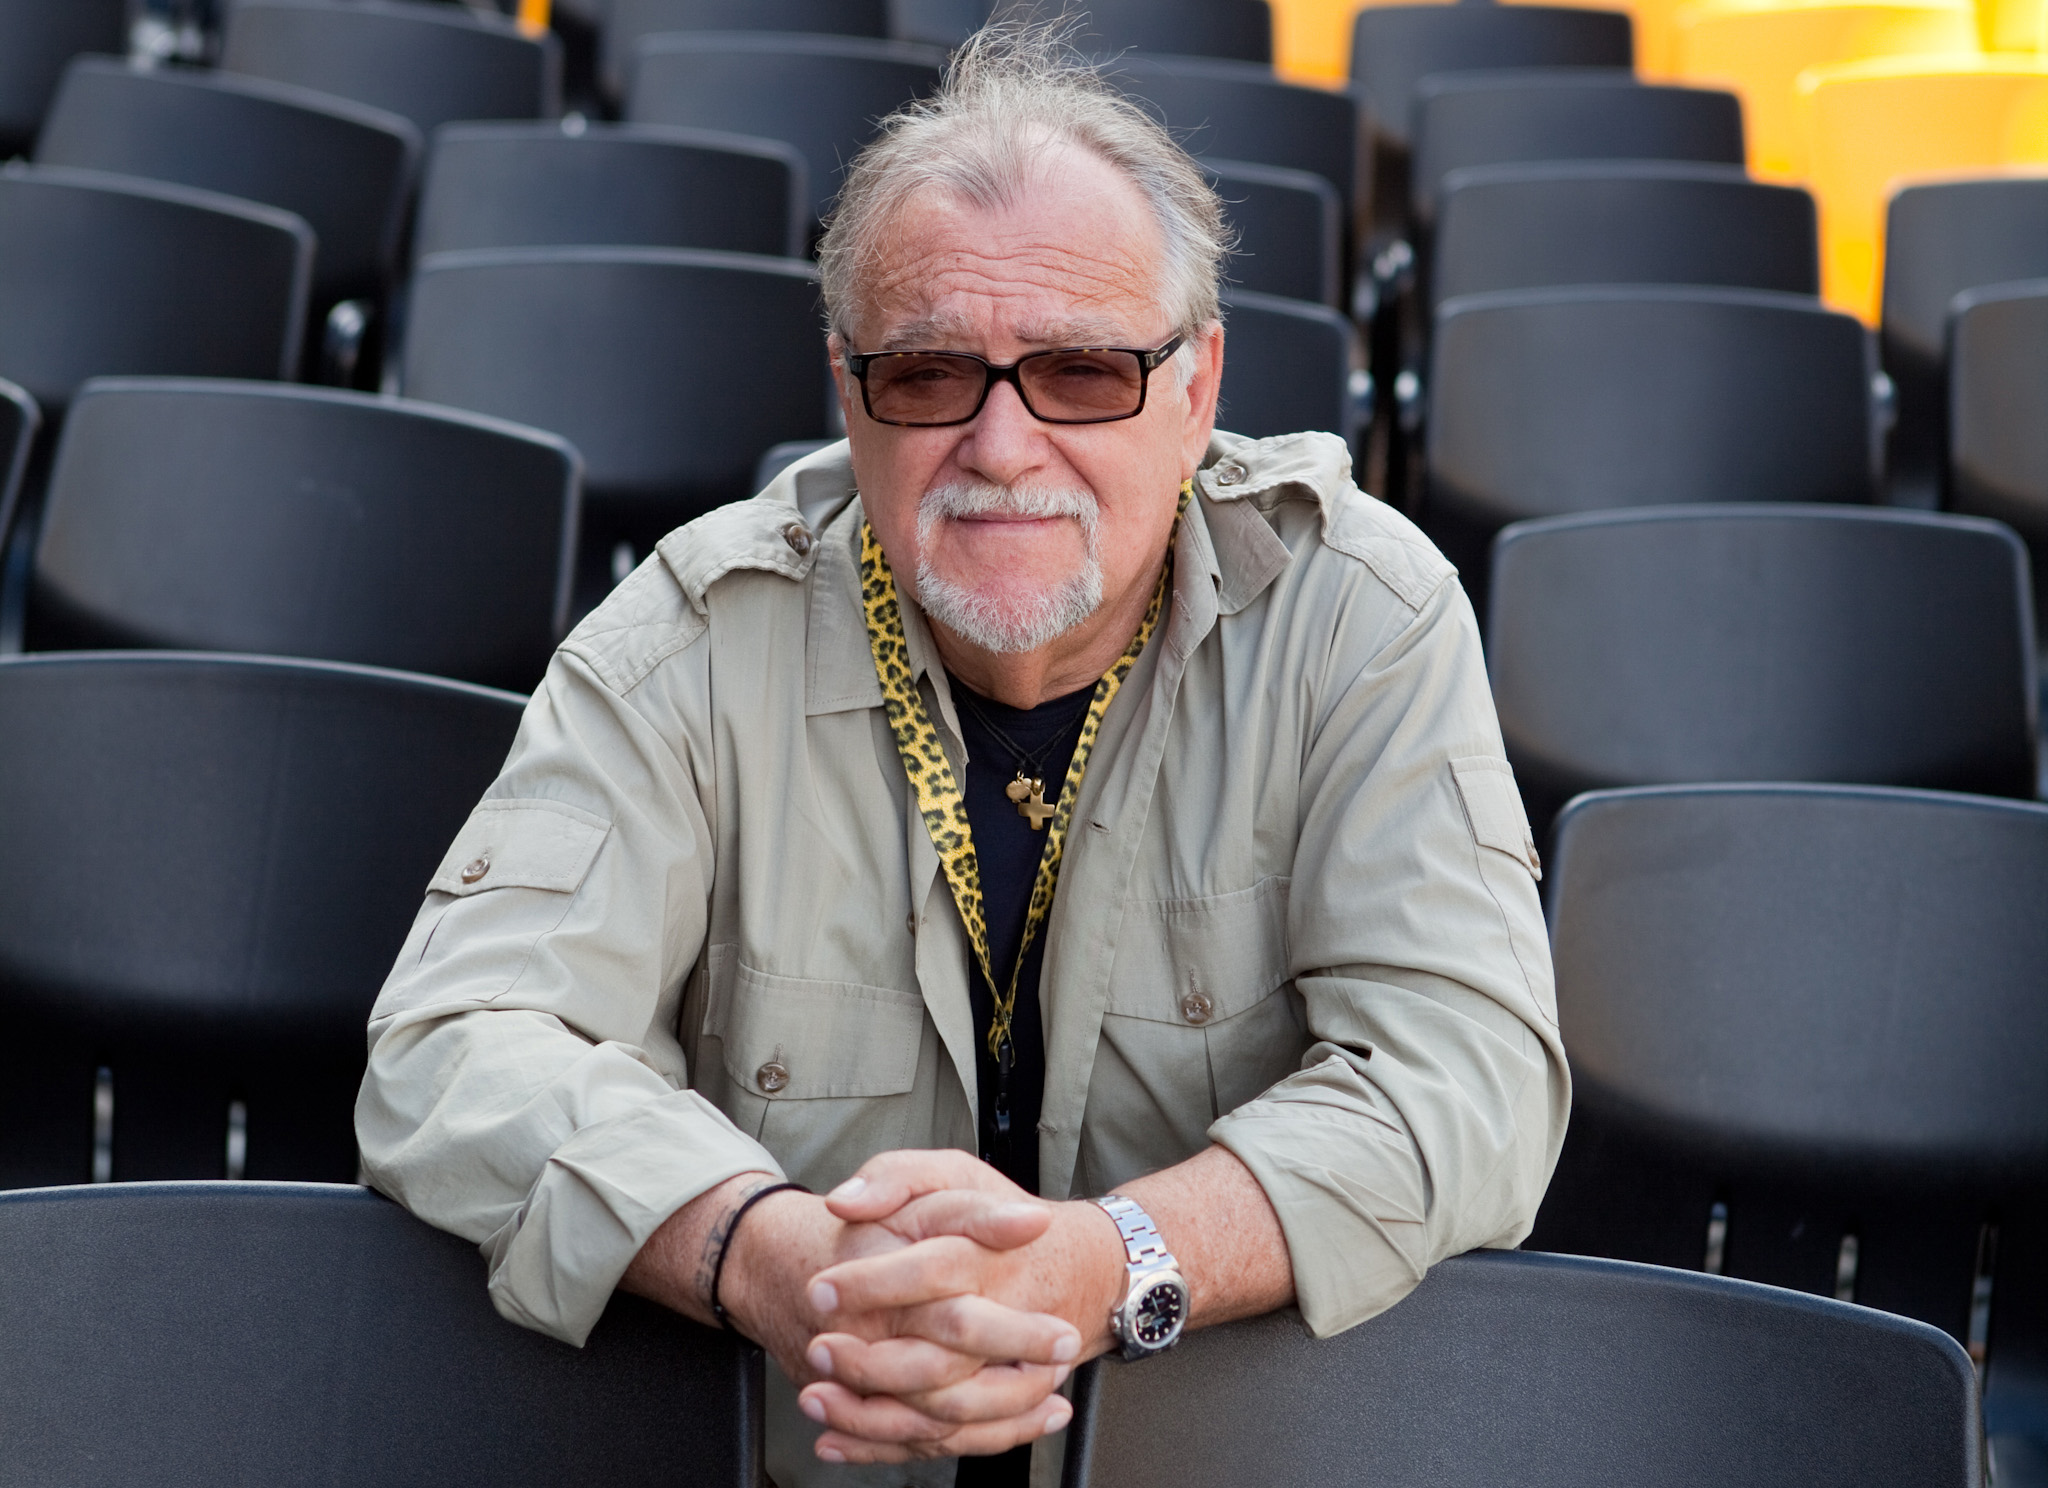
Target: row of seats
{"x":278,"y":1333}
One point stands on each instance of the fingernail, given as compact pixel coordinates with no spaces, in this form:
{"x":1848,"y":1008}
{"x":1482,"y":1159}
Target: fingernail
{"x":813,"y":1407}
{"x":852,"y":1188}
{"x":821,"y":1359}
{"x":831,"y":1454}
{"x":1059,"y":1376}
{"x":1066,"y":1348}
{"x":1057,"y":1418}
{"x":824,"y":1296}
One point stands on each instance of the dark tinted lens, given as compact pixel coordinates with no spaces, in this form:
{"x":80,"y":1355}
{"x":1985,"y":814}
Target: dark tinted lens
{"x":923,"y":387}
{"x":1083,"y":385}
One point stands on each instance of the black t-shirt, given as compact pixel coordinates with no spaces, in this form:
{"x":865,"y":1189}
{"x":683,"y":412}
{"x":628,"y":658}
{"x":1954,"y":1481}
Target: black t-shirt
{"x":1008,"y":849}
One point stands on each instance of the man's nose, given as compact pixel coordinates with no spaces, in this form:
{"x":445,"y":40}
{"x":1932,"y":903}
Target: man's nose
{"x":1004,"y":443}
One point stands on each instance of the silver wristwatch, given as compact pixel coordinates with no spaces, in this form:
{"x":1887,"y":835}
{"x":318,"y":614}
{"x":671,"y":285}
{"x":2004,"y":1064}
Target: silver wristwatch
{"x":1155,"y":1306}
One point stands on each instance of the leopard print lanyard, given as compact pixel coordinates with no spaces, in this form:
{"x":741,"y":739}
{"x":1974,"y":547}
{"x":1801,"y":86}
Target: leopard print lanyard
{"x":939,"y":797}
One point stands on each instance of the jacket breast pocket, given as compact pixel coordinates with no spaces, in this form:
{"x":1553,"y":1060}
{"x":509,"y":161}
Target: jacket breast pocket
{"x":1202,"y":1012}
{"x":822,"y":1073}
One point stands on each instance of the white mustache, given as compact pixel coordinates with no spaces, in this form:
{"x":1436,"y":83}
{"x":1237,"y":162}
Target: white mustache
{"x":983,"y":499}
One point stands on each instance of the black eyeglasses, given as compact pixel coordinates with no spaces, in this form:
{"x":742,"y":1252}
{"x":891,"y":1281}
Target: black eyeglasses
{"x":1072,"y":385}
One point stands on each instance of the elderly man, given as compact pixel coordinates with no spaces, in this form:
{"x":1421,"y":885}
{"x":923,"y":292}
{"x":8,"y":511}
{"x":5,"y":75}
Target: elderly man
{"x":1078,"y":840}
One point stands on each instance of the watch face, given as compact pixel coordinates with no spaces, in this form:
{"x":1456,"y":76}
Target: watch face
{"x":1159,"y":1313}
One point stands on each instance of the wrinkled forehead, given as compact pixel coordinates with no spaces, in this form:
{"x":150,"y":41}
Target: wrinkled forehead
{"x":1072,"y":258}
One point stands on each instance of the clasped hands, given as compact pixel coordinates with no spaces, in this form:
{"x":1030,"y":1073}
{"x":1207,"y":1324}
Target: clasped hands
{"x":927,"y":1307}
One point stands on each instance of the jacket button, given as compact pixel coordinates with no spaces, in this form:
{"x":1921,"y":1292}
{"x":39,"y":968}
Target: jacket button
{"x":772,"y":1076}
{"x":476,"y":868}
{"x":799,"y":539}
{"x":1230,"y":474}
{"x":1197,"y":1008}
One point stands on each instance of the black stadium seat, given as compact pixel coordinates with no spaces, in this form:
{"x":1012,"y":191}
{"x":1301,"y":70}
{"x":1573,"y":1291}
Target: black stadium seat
{"x":628,"y":21}
{"x":1620,"y":222}
{"x":1239,"y":111}
{"x":783,"y":456}
{"x":103,"y":274}
{"x":346,"y":168}
{"x":1998,"y":412}
{"x":822,"y":94}
{"x":290,"y":521}
{"x":1761,"y":642}
{"x":276,"y":1333}
{"x":430,"y":63}
{"x":944,"y":23}
{"x":1544,"y":402}
{"x":1288,"y":366}
{"x":671,"y":371}
{"x":1507,"y":1370}
{"x":621,"y":185}
{"x":20,"y":419}
{"x":1941,"y":239}
{"x":207,"y":867}
{"x":37,"y":39}
{"x":1805,"y":1026}
{"x":1241,"y":30}
{"x":1501,"y":118}
{"x":1288,"y":230}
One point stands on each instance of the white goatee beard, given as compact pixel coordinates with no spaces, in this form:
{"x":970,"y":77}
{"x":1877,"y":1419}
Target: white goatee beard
{"x":1007,"y":625}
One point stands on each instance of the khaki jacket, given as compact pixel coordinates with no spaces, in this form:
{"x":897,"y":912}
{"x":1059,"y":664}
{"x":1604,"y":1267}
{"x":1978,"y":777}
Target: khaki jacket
{"x":1297,"y":914}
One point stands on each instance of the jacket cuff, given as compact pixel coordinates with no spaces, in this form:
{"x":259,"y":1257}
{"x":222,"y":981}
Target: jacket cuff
{"x":1355,"y":1228}
{"x":554,"y":1267}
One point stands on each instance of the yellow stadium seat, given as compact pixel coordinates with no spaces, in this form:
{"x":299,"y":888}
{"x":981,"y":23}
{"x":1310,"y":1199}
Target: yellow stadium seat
{"x":2013,"y":25}
{"x":1873,"y":126}
{"x":1759,"y":49}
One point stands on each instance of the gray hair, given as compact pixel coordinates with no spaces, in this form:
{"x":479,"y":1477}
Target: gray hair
{"x":1014,"y":91}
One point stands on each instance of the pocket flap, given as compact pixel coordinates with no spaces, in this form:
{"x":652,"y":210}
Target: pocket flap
{"x":1227,"y":951}
{"x":1494,"y":807}
{"x":521,"y":845}
{"x":792,"y":1039}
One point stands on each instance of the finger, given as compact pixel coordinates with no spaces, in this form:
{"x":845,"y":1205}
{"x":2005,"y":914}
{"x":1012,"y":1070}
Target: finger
{"x":998,"y":1221}
{"x":994,"y":1393}
{"x":989,"y":1330}
{"x":889,"y":1180}
{"x":944,"y":1266}
{"x":889,"y":1366}
{"x":983,"y":1439}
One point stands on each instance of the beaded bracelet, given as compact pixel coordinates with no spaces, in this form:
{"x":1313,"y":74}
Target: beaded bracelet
{"x":732,"y":1228}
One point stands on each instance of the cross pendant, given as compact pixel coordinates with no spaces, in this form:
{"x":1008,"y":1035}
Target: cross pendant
{"x":1030,"y":798}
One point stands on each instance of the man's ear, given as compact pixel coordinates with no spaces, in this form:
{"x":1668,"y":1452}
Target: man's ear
{"x":842,"y":381}
{"x":1202,"y":390}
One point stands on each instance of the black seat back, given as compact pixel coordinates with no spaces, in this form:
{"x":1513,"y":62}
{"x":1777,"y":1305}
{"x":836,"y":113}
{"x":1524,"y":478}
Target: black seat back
{"x":256,"y":517}
{"x":1762,"y":643}
{"x":822,"y":94}
{"x":621,"y":185}
{"x":596,"y":344}
{"x":1940,"y":240}
{"x":36,"y":40}
{"x":1287,"y":367}
{"x":346,"y":168}
{"x":1288,"y":227}
{"x":299,"y":1333}
{"x":1620,"y":222}
{"x":1239,"y":111}
{"x":1466,"y":119}
{"x":628,"y":21}
{"x":1998,"y":411}
{"x":1805,"y":1025}
{"x":1504,"y":1368}
{"x":1544,"y":402}
{"x":207,"y":867}
{"x":1241,"y":30}
{"x":105,"y":274}
{"x":429,"y":63}
{"x":20,"y":420}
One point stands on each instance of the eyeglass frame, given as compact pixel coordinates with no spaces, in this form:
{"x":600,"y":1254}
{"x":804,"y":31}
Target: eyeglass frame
{"x":857,"y":363}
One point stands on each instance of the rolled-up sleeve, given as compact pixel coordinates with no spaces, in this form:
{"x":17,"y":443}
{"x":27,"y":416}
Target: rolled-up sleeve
{"x":1428,"y":1111}
{"x":526,"y":1088}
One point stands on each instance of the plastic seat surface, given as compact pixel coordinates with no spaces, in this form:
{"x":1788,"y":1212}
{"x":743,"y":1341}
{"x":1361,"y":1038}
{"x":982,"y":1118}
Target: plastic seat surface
{"x":346,"y":168}
{"x":207,"y":867}
{"x":288,"y":521}
{"x":1286,"y":368}
{"x":1762,"y":643}
{"x":627,"y":22}
{"x":822,"y":94}
{"x":165,"y":1334}
{"x":37,"y":39}
{"x":1475,"y":119}
{"x":1507,"y":1368}
{"x":1997,"y":456}
{"x":104,"y":275}
{"x":1621,"y":222}
{"x":637,"y":185}
{"x":429,"y":63}
{"x":1289,"y":228}
{"x":1241,"y":30}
